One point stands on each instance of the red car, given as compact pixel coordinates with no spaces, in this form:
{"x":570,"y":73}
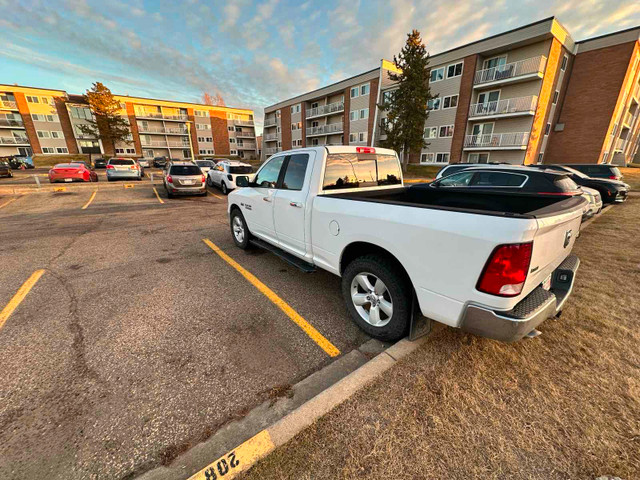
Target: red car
{"x":72,"y":172}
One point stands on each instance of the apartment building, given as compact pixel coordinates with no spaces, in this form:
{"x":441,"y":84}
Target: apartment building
{"x":40,"y":121}
{"x":503,"y":98}
{"x":598,"y":119}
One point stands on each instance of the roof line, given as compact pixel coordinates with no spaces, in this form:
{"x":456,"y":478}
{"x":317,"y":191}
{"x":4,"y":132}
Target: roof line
{"x":34,"y":88}
{"x":609,"y":34}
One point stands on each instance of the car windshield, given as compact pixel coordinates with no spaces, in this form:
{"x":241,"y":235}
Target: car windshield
{"x":120,"y":161}
{"x":240,"y":170}
{"x":185,"y":170}
{"x":206,"y":163}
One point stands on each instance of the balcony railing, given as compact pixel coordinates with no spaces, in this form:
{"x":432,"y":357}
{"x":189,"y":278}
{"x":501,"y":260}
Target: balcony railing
{"x":509,"y":106}
{"x":271,"y":151}
{"x":507,"y":71}
{"x":246,"y":146}
{"x":628,"y":119}
{"x":619,"y":145}
{"x":325,"y":129}
{"x":14,"y":141}
{"x":270,"y":122}
{"x":245,"y":135}
{"x":243,"y":122}
{"x":8,"y":104}
{"x":161,"y":116}
{"x":8,"y":122}
{"x":174,"y":131}
{"x":325,"y":109}
{"x":270,"y":137}
{"x":497,"y":140}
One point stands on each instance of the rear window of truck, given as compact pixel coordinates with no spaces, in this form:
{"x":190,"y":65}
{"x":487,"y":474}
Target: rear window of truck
{"x":360,"y":170}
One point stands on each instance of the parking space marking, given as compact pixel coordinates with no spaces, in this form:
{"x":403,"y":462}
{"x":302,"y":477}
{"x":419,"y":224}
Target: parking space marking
{"x":59,"y":189}
{"x":239,"y":459}
{"x":316,"y":336}
{"x":19,"y":296}
{"x":128,"y":185}
{"x":93,"y":195}
{"x":158,"y":195}
{"x":8,"y":202}
{"x":217,"y":196}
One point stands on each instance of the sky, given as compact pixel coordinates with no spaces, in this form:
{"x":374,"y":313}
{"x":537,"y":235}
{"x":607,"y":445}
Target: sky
{"x":252,"y":52}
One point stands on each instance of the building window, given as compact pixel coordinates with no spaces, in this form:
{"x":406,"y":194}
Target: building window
{"x":442,"y":157}
{"x":364,"y":113}
{"x":540,"y":157}
{"x":478,"y":157}
{"x":48,"y":150}
{"x":446,"y":131}
{"x":231,"y":128}
{"x":233,"y":152}
{"x":209,"y":139}
{"x":232,"y":140}
{"x":295,"y":108}
{"x":81,"y":113}
{"x":33,"y":99}
{"x":353,"y":115}
{"x":200,"y":139}
{"x":387,"y":97}
{"x":547,"y":129}
{"x":354,"y":92}
{"x":430,"y":132}
{"x":362,"y":136}
{"x":454,"y":70}
{"x":57,"y":134}
{"x":426,"y":158}
{"x":565,"y":60}
{"x":62,"y":150}
{"x":433,"y":104}
{"x":352,"y":137}
{"x":43,"y":134}
{"x":201,"y":113}
{"x":437,"y":74}
{"x":364,"y":89}
{"x":450,"y":101}
{"x":555,"y":96}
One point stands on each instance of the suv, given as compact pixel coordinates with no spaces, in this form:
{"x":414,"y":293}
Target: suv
{"x":5,"y":169}
{"x":184,"y":178}
{"x":123,"y":168}
{"x":224,"y":174}
{"x":602,"y":170}
{"x":159,"y":162}
{"x":457,"y":167}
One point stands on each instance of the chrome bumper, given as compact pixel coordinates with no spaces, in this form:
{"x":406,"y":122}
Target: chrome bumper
{"x":531,"y":311}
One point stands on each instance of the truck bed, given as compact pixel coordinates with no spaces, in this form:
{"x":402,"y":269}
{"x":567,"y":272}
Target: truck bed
{"x":479,"y":202}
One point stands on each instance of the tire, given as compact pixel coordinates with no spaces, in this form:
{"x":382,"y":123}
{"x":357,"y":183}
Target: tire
{"x":209,"y":182}
{"x":397,"y":293}
{"x":223,"y":188}
{"x":237,"y":221}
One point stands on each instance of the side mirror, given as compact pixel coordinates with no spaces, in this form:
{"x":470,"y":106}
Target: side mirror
{"x":242,"y":181}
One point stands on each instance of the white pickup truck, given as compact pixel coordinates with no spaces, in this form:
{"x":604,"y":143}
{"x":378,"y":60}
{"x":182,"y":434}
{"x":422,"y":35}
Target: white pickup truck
{"x":497,"y":271}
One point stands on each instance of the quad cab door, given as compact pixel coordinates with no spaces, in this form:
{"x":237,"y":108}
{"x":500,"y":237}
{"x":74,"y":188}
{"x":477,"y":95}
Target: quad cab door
{"x":290,"y":203}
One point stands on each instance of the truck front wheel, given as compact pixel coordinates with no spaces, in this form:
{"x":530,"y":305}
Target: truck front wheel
{"x":378,"y":296}
{"x":239,"y":229}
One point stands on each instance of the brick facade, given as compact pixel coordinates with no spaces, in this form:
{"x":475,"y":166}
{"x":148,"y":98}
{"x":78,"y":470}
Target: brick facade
{"x":373,"y":103}
{"x":65,"y":123}
{"x":303,"y":115}
{"x":194,"y":133}
{"x":285,"y":122}
{"x":462,"y":112}
{"x":592,"y":97}
{"x":345,"y":119}
{"x":219,"y":132}
{"x":23,"y":108}
{"x":134,"y":132}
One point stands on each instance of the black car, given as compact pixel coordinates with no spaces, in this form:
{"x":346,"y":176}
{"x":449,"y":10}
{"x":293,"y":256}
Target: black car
{"x":610,"y":190}
{"x":160,"y":162}
{"x":100,"y":163}
{"x":602,"y":170}
{"x":5,"y":169}
{"x":457,"y":167}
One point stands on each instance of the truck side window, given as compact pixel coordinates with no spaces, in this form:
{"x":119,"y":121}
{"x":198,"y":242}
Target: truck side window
{"x":296,"y":169}
{"x":268,"y":175}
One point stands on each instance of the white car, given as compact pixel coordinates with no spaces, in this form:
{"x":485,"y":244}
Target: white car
{"x":205,"y":165}
{"x":224,"y":174}
{"x":595,"y":202}
{"x":491,"y":263}
{"x":145,"y":162}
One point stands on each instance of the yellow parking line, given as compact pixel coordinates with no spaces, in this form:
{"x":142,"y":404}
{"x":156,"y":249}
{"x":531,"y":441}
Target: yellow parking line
{"x":158,"y":195}
{"x":93,"y":195}
{"x":316,"y":336}
{"x":19,"y":296}
{"x":8,"y":202}
{"x":217,"y":196}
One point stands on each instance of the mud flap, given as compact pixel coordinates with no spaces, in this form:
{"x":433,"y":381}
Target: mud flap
{"x":419,"y":325}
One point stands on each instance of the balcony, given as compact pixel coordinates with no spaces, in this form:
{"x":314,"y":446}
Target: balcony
{"x":619,"y":147}
{"x":511,"y":107}
{"x":11,"y":123}
{"x":163,"y":131}
{"x":164,"y":144}
{"x":246,"y":146}
{"x":271,"y":151}
{"x":325,"y":129}
{"x":497,"y":141}
{"x":160,"y":116}
{"x":245,"y":135}
{"x":322,"y":110}
{"x":270,"y":137}
{"x":247,"y":123}
{"x":270,"y":122}
{"x":14,"y":140}
{"x":531,"y":68}
{"x":8,"y":104}
{"x":627,"y":120}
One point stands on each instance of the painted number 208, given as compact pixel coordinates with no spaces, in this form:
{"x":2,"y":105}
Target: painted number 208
{"x":223,"y":466}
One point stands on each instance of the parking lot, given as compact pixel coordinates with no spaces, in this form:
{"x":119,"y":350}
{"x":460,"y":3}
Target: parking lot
{"x":137,"y":339}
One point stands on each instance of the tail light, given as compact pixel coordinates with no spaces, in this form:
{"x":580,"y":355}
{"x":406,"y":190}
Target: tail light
{"x":134,"y":167}
{"x":169,"y":179}
{"x":506,"y":270}
{"x":365,"y":150}
{"x":230,"y":177}
{"x":613,"y":177}
{"x":110,"y":166}
{"x":202,"y":179}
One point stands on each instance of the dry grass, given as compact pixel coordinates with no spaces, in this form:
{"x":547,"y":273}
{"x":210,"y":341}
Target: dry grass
{"x":563,"y":406}
{"x":51,"y":160}
{"x":632,"y":177}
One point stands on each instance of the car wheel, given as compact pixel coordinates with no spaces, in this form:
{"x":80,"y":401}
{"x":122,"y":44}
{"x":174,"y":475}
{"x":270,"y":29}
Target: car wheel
{"x":209,"y":182}
{"x":378,"y":296}
{"x":223,"y":187}
{"x":239,"y":229}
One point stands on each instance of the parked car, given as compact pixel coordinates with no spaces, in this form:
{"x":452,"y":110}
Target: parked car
{"x":145,"y":162}
{"x":457,"y":167}
{"x":224,"y":174}
{"x":602,"y":170}
{"x":159,"y":162}
{"x":205,"y":165}
{"x":610,"y":190}
{"x":595,"y":202}
{"x":100,"y":163}
{"x":184,"y":178}
{"x":72,"y":172}
{"x":19,"y":161}
{"x":79,"y":162}
{"x":119,"y":168}
{"x":5,"y":169}
{"x":502,"y":266}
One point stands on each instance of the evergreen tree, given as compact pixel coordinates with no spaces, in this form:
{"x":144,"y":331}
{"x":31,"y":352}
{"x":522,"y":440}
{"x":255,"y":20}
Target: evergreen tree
{"x":406,"y":106}
{"x":107,"y":123}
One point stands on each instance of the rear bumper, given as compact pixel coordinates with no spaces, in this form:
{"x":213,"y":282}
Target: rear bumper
{"x":186,"y":190}
{"x":530,"y":312}
{"x":132,"y":174}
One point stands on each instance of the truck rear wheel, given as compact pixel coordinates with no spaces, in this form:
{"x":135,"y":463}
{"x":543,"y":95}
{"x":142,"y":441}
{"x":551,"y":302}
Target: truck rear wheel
{"x":378,"y":297}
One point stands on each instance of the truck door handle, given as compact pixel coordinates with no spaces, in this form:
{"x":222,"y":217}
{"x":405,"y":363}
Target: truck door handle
{"x":266,"y":199}
{"x":296,"y":204}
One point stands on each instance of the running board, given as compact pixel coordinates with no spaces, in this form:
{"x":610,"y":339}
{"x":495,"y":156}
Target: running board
{"x":306,"y":267}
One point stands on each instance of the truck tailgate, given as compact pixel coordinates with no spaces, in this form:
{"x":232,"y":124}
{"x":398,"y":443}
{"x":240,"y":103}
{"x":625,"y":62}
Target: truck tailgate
{"x":552,"y":243}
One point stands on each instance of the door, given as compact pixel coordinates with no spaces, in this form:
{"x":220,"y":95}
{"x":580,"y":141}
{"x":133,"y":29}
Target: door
{"x":482,"y":134}
{"x":257,"y":199}
{"x":290,"y":204}
{"x":489,"y":101}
